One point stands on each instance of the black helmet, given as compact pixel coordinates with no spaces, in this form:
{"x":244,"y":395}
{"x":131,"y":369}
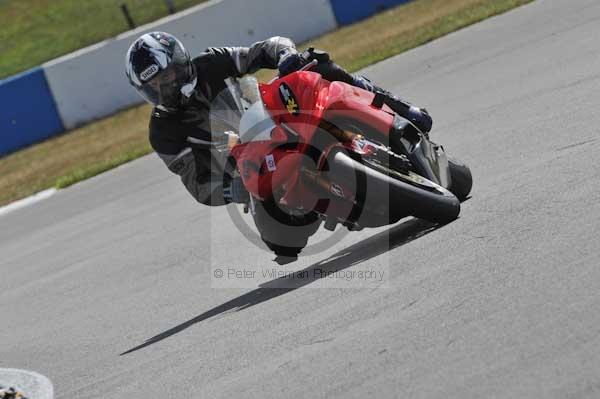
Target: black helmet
{"x":161,"y":69}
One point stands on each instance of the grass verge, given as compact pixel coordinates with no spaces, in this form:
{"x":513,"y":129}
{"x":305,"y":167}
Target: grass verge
{"x":80,"y":174}
{"x":35,"y":31}
{"x":102,"y":145}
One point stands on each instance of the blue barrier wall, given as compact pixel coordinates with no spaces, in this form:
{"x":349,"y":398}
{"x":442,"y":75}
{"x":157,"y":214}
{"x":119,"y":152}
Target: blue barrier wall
{"x":27,"y":113}
{"x":350,"y":11}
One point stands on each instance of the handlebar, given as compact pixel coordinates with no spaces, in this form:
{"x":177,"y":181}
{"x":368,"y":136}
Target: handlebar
{"x":306,"y":67}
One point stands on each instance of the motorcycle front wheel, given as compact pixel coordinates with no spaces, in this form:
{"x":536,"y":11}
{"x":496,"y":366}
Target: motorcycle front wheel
{"x":284,"y":234}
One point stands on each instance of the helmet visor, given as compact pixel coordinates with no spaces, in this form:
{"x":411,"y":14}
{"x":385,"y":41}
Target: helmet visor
{"x":165,"y":87}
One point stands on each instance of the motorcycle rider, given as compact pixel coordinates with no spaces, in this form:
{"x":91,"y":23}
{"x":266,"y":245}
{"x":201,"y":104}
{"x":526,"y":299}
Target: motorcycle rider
{"x":181,"y":88}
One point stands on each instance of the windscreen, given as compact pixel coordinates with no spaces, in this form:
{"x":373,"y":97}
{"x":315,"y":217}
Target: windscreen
{"x":240,"y":110}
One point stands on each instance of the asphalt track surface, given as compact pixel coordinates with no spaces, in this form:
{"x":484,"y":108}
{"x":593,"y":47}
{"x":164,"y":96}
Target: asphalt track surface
{"x":502,"y":302}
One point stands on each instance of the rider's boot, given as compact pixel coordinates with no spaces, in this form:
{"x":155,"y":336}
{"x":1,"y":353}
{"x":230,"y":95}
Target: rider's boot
{"x":417,"y":116}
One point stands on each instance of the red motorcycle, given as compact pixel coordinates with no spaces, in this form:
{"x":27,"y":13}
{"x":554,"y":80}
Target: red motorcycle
{"x":309,"y":150}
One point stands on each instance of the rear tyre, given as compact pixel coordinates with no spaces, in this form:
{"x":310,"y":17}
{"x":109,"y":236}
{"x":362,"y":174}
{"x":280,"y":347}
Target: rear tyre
{"x":406,"y":194}
{"x":462,"y":180}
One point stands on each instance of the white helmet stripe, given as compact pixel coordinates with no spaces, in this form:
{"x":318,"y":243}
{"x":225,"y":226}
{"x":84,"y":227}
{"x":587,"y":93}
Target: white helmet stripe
{"x":157,"y":49}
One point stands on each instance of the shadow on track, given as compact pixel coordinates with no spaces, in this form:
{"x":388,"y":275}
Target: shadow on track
{"x":354,"y":254}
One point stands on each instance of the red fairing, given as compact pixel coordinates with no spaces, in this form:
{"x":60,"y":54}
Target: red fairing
{"x":349,"y":102}
{"x":297,"y":103}
{"x":319,"y":98}
{"x":310,"y":92}
{"x":302,"y":116}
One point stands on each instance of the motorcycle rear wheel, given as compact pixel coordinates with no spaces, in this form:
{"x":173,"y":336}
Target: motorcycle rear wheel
{"x":406,"y":193}
{"x":461,"y":179}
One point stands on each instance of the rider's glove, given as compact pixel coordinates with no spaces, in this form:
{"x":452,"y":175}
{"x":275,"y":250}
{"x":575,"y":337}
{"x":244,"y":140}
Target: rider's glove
{"x":235,"y":191}
{"x":289,"y":61}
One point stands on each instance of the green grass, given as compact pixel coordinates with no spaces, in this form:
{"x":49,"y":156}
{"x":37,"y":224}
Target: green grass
{"x":104,"y":144}
{"x":35,"y":31}
{"x":86,"y":172}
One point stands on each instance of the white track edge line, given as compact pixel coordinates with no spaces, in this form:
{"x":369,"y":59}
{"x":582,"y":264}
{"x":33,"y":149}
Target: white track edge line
{"x":42,"y":386}
{"x":25,"y":202}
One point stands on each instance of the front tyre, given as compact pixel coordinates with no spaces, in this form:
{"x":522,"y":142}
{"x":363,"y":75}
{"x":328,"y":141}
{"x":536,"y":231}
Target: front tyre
{"x":284,"y":234}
